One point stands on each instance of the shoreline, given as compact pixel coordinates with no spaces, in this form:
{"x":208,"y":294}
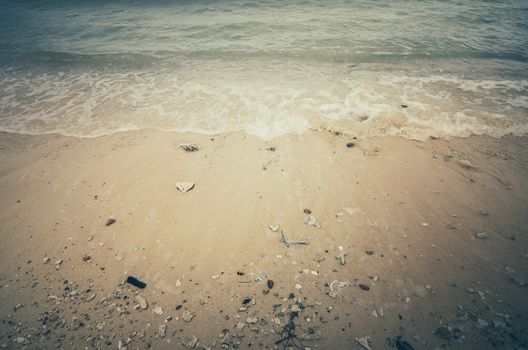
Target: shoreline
{"x":407,"y":214}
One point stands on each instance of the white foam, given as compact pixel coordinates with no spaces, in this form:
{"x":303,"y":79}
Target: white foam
{"x":263,"y":103}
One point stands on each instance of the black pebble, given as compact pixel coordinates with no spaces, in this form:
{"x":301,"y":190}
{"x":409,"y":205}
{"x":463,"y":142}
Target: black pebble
{"x":270,"y":284}
{"x":246,"y":301}
{"x":110,"y":221}
{"x":402,"y":344}
{"x":307,"y":211}
{"x":404,"y":105}
{"x":135,"y":282}
{"x":350,"y":144}
{"x":364,"y":287}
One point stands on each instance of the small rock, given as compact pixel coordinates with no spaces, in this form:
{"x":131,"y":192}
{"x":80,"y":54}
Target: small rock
{"x":46,"y":260}
{"x":270,"y":284}
{"x":189,"y":147}
{"x":90,"y":238}
{"x":274,"y":228}
{"x":162,"y":330}
{"x":369,"y":252}
{"x":158,"y":310}
{"x":298,"y":286}
{"x":307,"y":211}
{"x":481,"y":235}
{"x":87,"y":258}
{"x":364,"y":342}
{"x":110,"y":221}
{"x":404,"y":105}
{"x":350,"y":144}
{"x":184,"y":186}
{"x":481,"y":323}
{"x":190,"y":342}
{"x":341,"y":256}
{"x":312,"y":221}
{"x":466,"y":164}
{"x":187,"y":316}
{"x":142,"y":302}
{"x":251,"y":320}
{"x":240,"y":326}
{"x":402,"y":344}
{"x":363,"y":286}
{"x":443,"y":332}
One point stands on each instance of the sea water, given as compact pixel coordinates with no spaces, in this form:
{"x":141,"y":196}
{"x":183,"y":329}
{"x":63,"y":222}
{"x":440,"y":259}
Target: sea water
{"x":269,"y":67}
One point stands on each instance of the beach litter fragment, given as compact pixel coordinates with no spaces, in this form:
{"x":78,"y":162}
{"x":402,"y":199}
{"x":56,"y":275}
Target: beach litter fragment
{"x":289,"y":242}
{"x":184,"y":186}
{"x":135,"y":282}
{"x":189,"y":147}
{"x":334,"y":286}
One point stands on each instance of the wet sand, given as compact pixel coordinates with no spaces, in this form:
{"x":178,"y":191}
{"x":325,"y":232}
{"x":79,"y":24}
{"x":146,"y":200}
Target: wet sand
{"x":434,"y":235}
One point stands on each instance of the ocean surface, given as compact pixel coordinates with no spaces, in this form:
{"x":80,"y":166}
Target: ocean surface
{"x":268,"y":67}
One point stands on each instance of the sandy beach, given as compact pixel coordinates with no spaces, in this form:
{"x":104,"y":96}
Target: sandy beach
{"x":407,"y":244}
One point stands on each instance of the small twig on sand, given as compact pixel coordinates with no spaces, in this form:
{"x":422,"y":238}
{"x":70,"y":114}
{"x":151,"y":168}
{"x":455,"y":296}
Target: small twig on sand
{"x":292,"y":242}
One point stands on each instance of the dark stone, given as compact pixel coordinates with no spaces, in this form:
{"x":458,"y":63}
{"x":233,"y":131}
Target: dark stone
{"x":240,"y":273}
{"x":178,"y":307}
{"x":350,"y":144}
{"x":135,"y":282}
{"x":110,"y":222}
{"x":364,"y":286}
{"x":270,"y":284}
{"x":307,"y":211}
{"x":246,"y":301}
{"x":402,"y":344}
{"x":404,"y":105}
{"x":369,"y":252}
{"x":443,"y":332}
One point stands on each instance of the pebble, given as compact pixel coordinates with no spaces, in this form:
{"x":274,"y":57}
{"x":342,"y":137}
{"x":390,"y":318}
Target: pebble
{"x":481,"y":323}
{"x":481,"y":235}
{"x":158,"y":310}
{"x":298,"y":286}
{"x":187,"y":316}
{"x":251,"y":320}
{"x":142,"y":302}
{"x":190,"y":342}
{"x":189,"y":147}
{"x":184,"y":186}
{"x":110,"y":221}
{"x":364,"y":342}
{"x":363,"y":286}
{"x":270,"y":284}
{"x":312,"y":221}
{"x":162,"y":330}
{"x":46,"y":260}
{"x":443,"y":332}
{"x":274,"y":228}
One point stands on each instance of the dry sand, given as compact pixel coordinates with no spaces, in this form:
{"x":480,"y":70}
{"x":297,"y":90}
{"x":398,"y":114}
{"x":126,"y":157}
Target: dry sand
{"x":406,"y":214}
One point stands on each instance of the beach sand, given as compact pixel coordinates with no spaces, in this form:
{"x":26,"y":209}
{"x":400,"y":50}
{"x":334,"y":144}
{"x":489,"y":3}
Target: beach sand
{"x":407,"y":214}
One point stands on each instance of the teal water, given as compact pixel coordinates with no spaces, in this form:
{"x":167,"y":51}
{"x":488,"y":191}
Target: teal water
{"x":269,"y":67}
